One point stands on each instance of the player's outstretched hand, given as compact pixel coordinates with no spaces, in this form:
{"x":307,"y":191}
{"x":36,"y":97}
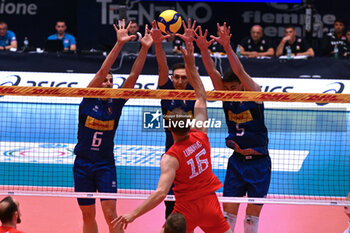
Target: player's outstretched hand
{"x":201,"y":40}
{"x":189,"y":33}
{"x":224,"y":35}
{"x":188,"y":53}
{"x":146,"y":40}
{"x":122,"y":32}
{"x":122,"y":221}
{"x":156,"y":34}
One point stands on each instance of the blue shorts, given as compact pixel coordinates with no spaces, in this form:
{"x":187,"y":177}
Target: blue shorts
{"x":92,"y":177}
{"x":251,"y":177}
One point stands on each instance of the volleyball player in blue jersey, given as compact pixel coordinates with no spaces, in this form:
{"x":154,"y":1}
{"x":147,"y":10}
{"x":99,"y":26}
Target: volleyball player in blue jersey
{"x":94,"y":166}
{"x":249,"y":167}
{"x":178,"y":81}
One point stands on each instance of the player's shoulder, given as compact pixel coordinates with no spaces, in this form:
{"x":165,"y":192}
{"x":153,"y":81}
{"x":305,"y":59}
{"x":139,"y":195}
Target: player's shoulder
{"x":52,"y":37}
{"x":195,"y":131}
{"x":119,"y":102}
{"x":168,"y":85}
{"x":70,"y":36}
{"x":299,"y":39}
{"x":198,"y":133}
{"x":247,"y":39}
{"x":10,"y":33}
{"x":329,"y":35}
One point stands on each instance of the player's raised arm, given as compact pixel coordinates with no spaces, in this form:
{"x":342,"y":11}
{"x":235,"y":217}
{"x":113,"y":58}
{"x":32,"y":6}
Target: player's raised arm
{"x":200,"y":107}
{"x":224,"y":40}
{"x":168,"y":166}
{"x":208,"y":62}
{"x":146,"y":43}
{"x":122,"y":38}
{"x":163,"y":68}
{"x":188,"y":35}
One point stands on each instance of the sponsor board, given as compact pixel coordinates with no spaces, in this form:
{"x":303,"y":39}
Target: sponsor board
{"x":289,"y":85}
{"x":133,"y":155}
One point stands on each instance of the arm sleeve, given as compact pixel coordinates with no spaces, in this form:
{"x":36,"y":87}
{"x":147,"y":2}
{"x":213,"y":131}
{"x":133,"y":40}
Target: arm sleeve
{"x":268,"y":44}
{"x":119,"y":103}
{"x":244,"y":44}
{"x":52,"y":37}
{"x":305,"y":45}
{"x":13,"y":36}
{"x":72,"y":40}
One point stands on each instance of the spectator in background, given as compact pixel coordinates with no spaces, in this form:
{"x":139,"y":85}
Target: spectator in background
{"x":9,"y":215}
{"x":332,"y":39}
{"x":344,"y":50}
{"x":134,"y":30}
{"x":177,"y":43}
{"x":256,"y":45}
{"x":298,"y":46}
{"x":68,"y":39}
{"x":7,"y":38}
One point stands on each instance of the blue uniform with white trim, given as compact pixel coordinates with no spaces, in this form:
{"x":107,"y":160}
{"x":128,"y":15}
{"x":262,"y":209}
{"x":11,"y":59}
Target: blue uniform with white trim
{"x":170,"y":105}
{"x":7,"y":38}
{"x":247,"y":174}
{"x":67,"y":39}
{"x":94,"y":165}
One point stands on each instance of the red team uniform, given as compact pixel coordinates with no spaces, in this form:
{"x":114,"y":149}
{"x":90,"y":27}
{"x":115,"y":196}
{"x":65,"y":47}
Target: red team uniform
{"x":9,"y":230}
{"x":195,"y":185}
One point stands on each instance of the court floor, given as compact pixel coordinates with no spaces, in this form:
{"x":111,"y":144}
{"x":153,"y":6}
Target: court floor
{"x":58,"y":215}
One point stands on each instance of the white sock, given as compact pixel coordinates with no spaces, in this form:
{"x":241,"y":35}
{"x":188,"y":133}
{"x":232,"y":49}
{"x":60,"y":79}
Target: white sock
{"x":251,"y":224}
{"x":231,"y":219}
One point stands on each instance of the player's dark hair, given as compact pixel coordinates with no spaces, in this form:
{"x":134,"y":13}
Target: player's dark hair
{"x":289,"y":26}
{"x":178,"y":66}
{"x":175,"y":223}
{"x":61,"y":20}
{"x":230,"y":76}
{"x":347,"y":30}
{"x":8,"y":207}
{"x":339,"y":20}
{"x":134,"y":21}
{"x":3,"y":22}
{"x":178,"y":122}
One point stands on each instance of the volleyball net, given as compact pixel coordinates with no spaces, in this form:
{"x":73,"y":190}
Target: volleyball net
{"x":308,"y":142}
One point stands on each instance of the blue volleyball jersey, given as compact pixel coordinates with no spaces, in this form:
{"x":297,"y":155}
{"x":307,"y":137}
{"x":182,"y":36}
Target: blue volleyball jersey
{"x":7,"y":38}
{"x":98,"y":122}
{"x":246,"y":127}
{"x":169,"y":105}
{"x":67,"y":39}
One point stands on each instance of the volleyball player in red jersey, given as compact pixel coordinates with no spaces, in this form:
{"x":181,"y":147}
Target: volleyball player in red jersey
{"x":188,"y":164}
{"x":10,"y":215}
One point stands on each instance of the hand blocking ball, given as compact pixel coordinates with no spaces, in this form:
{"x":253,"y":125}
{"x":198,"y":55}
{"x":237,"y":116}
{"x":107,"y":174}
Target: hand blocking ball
{"x":169,"y":21}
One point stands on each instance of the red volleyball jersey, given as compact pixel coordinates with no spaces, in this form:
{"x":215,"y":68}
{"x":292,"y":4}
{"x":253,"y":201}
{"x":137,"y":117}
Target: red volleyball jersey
{"x":194,"y":178}
{"x":4,"y":229}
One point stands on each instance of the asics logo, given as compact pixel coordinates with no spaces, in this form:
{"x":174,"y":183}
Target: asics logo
{"x":10,"y":80}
